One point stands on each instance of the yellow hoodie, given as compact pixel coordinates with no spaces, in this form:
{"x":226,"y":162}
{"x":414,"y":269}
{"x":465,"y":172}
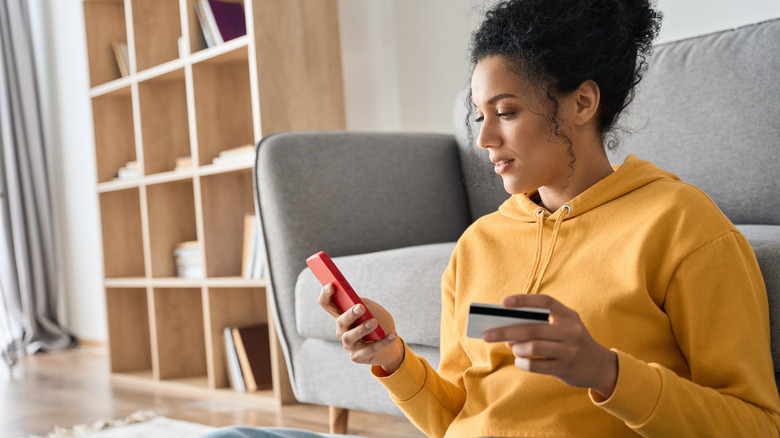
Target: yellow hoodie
{"x":656,"y":272}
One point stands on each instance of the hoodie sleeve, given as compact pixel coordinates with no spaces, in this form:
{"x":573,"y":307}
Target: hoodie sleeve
{"x":429,"y":398}
{"x":717,"y":306}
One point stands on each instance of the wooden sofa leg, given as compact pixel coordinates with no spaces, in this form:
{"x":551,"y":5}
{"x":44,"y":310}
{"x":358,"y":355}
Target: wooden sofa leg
{"x":337,"y":419}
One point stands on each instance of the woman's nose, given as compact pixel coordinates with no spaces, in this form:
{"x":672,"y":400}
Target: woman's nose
{"x":487,"y":135}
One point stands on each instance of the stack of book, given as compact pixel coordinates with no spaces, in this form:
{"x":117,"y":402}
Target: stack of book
{"x":131,"y":170}
{"x":252,"y":261}
{"x":248,"y":356}
{"x":220,"y":21}
{"x":189,"y":260}
{"x":240,"y":155}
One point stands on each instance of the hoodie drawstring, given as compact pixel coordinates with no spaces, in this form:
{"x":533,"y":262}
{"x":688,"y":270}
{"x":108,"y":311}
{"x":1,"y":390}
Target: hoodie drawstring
{"x":537,"y":257}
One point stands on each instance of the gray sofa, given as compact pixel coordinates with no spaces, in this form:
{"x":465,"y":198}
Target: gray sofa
{"x":388,"y":207}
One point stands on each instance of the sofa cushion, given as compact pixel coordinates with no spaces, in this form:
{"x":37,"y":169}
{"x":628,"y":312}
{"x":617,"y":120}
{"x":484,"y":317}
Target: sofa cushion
{"x":765,"y":240}
{"x":400,"y":280}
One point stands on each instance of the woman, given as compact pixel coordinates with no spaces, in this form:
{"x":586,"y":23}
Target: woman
{"x":658,"y":314}
{"x":659,"y":322}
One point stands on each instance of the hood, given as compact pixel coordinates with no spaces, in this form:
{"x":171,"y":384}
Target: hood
{"x":631,"y":175}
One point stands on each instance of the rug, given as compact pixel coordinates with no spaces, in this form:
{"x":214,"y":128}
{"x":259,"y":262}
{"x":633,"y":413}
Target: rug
{"x":142,"y":424}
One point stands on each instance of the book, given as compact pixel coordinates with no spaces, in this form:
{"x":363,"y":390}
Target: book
{"x":247,"y":149}
{"x":233,"y":366}
{"x":220,"y":21}
{"x":122,"y":60}
{"x":130,"y":170}
{"x":254,"y":353}
{"x":252,"y":259}
{"x":207,"y":26}
{"x":183,"y":163}
{"x":257,"y":266}
{"x":230,"y":19}
{"x":241,"y":154}
{"x":249,"y":251}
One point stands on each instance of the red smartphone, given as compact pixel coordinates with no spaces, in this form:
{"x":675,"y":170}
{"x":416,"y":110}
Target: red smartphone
{"x":344,"y":296}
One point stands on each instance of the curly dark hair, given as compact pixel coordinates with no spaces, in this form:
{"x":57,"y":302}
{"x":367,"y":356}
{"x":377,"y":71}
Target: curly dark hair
{"x":556,"y":45}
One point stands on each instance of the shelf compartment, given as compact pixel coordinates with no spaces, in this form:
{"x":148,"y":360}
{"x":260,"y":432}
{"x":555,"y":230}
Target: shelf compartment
{"x":112,"y":114}
{"x":164,"y":128}
{"x":128,"y":330}
{"x":229,"y":307}
{"x":123,"y":254}
{"x":105,"y":22}
{"x":226,"y":198}
{"x":222,"y":104}
{"x":179,"y":333}
{"x":171,"y":221}
{"x":157,"y":28}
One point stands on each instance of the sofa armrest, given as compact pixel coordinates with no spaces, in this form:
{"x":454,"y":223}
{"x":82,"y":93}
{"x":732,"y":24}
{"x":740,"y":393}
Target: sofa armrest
{"x":351,"y":193}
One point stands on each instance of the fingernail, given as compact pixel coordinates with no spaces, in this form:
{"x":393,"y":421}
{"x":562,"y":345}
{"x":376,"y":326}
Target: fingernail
{"x":488,"y":336}
{"x":328,"y":287}
{"x":358,"y":309}
{"x":370,"y":324}
{"x":391,"y":337}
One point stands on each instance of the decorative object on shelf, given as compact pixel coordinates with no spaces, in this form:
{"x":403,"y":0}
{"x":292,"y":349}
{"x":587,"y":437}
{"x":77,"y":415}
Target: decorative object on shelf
{"x":189,"y":260}
{"x":241,"y":154}
{"x":122,"y":59}
{"x":220,"y":21}
{"x":131,"y":170}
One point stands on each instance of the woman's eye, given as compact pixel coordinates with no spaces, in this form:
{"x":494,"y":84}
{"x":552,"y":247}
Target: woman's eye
{"x":505,"y":114}
{"x":479,"y":119}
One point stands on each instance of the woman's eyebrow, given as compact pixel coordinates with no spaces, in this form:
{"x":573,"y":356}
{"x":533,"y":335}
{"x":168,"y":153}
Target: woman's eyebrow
{"x":501,"y":96}
{"x":498,"y":97}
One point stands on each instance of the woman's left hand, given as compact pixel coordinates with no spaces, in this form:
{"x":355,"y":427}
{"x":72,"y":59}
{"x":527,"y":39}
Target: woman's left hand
{"x":563,"y":348}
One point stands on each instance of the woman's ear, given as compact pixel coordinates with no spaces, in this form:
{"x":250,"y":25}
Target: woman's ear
{"x":586,"y":98}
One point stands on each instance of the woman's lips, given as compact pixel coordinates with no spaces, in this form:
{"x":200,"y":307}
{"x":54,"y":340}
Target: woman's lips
{"x":503,"y":165}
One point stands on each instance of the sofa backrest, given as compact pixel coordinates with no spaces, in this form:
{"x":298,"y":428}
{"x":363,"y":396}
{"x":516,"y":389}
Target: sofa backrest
{"x":707,"y":110}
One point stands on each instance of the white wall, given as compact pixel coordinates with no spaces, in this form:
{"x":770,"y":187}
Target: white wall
{"x":687,"y":18}
{"x":404,"y":62}
{"x":58,"y":34}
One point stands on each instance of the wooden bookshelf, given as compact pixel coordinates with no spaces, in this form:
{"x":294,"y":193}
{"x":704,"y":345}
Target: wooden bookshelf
{"x":182,"y":98}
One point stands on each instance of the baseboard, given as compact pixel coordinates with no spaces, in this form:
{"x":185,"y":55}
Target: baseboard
{"x":93,"y":343}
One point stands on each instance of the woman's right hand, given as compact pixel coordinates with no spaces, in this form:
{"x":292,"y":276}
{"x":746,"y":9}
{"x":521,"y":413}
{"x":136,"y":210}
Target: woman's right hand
{"x":387,"y":352}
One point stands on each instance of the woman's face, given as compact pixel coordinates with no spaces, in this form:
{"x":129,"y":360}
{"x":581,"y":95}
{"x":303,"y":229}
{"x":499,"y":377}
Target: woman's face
{"x":521,"y":142}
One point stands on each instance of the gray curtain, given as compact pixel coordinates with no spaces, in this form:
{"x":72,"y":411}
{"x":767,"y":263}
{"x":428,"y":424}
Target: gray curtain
{"x":30,"y":277}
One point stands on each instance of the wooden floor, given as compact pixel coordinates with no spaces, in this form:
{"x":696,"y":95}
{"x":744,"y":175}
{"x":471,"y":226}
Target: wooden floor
{"x":75,"y":387}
